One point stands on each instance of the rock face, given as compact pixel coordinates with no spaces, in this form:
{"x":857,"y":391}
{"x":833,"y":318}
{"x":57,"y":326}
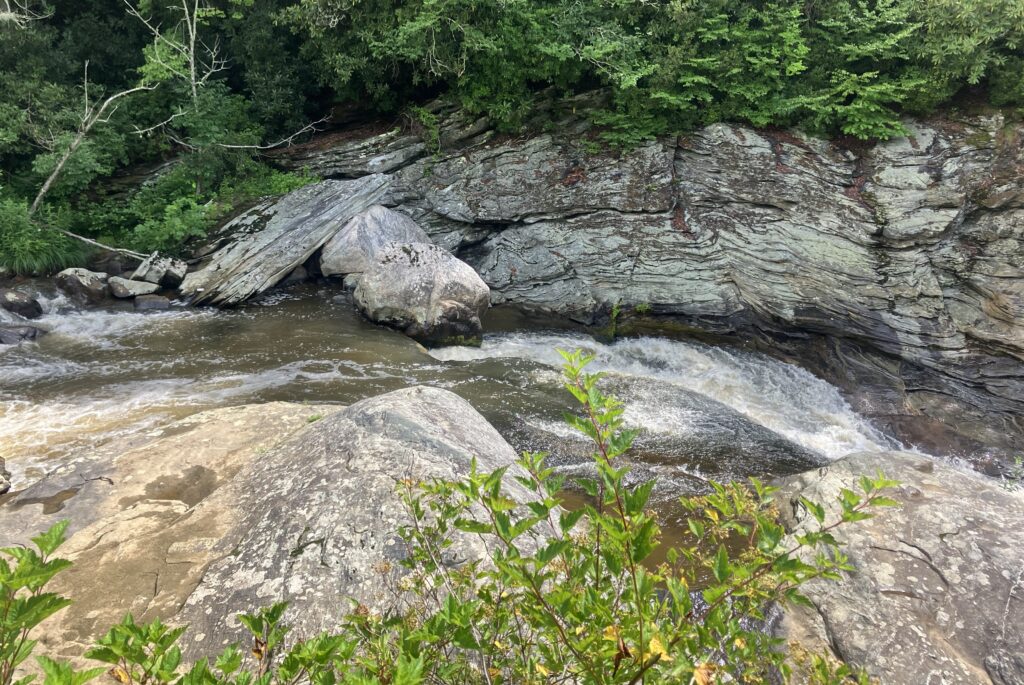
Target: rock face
{"x":124,"y":288}
{"x":83,"y":285}
{"x":894,"y":270}
{"x":20,"y":304}
{"x":423,"y":291}
{"x":12,"y":335}
{"x":352,"y":248}
{"x":273,"y":238}
{"x":938,"y":591}
{"x":238,"y":508}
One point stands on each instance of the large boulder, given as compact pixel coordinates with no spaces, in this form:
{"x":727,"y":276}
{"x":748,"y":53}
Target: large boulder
{"x":937,"y":595}
{"x":425,"y":292}
{"x":83,"y":285}
{"x":124,"y":288}
{"x":238,"y":508}
{"x":265,"y":244}
{"x":352,"y":248}
{"x":162,"y":271}
{"x":12,"y":335}
{"x":20,"y":304}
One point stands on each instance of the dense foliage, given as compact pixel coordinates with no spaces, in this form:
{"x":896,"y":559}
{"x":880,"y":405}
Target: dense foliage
{"x":222,"y":80}
{"x":565,"y":596}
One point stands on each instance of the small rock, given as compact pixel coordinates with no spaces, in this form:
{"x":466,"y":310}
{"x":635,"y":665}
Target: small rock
{"x":124,"y":288}
{"x":298,"y":275}
{"x":12,"y":335}
{"x":20,"y":304}
{"x":5,"y":477}
{"x":146,"y":302}
{"x":425,"y":292}
{"x":82,"y":284}
{"x":353,"y":247}
{"x":162,"y":271}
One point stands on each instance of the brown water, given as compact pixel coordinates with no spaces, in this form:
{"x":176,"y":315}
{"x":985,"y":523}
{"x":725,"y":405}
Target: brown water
{"x":705,"y":412}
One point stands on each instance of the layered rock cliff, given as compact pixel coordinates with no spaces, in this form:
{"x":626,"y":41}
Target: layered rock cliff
{"x":895,"y":270}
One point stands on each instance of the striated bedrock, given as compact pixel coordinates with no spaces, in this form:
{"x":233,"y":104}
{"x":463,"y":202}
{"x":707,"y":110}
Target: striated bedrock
{"x":937,"y":590}
{"x":895,"y":270}
{"x":234,"y":509}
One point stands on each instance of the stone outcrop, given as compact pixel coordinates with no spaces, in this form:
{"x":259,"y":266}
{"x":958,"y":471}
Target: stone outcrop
{"x":937,"y":595}
{"x":163,"y":271}
{"x":238,"y":508}
{"x":894,"y":270}
{"x":83,"y":285}
{"x":425,"y":292}
{"x":354,"y":247}
{"x":19,"y":303}
{"x":273,"y":238}
{"x":124,"y":288}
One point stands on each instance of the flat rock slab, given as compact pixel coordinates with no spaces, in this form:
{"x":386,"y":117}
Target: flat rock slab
{"x":275,"y":237}
{"x":938,"y":591}
{"x":124,"y":288}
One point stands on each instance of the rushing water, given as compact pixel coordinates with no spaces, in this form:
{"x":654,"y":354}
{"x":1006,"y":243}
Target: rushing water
{"x":706,"y":412}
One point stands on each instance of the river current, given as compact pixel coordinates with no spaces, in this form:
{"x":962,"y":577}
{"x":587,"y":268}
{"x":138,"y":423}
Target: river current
{"x":705,"y":412}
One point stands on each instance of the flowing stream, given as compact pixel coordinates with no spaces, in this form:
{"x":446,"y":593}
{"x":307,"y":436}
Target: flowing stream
{"x":705,"y":412}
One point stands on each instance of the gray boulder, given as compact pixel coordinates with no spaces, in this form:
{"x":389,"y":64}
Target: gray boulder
{"x":12,"y":335}
{"x":83,"y":285}
{"x":20,"y":304}
{"x":5,"y":477}
{"x":266,"y":243}
{"x":124,"y":288}
{"x":353,"y":247}
{"x":152,"y":302}
{"x":162,"y":271}
{"x":938,"y":591}
{"x":425,"y":292}
{"x":235,"y":509}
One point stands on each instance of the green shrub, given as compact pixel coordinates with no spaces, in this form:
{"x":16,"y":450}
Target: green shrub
{"x":27,"y":248}
{"x":565,"y":596}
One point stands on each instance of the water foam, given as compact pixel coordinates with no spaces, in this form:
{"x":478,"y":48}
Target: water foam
{"x":782,"y":397}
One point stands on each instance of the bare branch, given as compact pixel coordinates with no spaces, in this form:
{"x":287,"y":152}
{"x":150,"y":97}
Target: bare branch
{"x":21,"y":12}
{"x":143,"y":131}
{"x":284,"y":142}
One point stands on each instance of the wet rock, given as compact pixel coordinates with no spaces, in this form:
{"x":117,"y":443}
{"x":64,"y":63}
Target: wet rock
{"x":152,"y":302}
{"x":124,"y":288}
{"x":937,"y":594}
{"x":163,"y":271}
{"x":355,"y":246}
{"x":20,"y":304}
{"x":298,"y":275}
{"x":237,"y":508}
{"x":270,"y":240}
{"x":5,"y":477}
{"x":12,"y":335}
{"x":425,"y":292}
{"x":83,"y":285}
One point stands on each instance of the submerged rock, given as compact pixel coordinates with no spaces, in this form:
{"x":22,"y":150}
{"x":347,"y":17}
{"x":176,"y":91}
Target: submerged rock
{"x":937,"y":594}
{"x":352,"y":249}
{"x":12,"y":335}
{"x":83,"y":285}
{"x":148,"y":302}
{"x":20,"y":304}
{"x":425,"y":292}
{"x":266,"y":243}
{"x":238,"y":508}
{"x":124,"y":288}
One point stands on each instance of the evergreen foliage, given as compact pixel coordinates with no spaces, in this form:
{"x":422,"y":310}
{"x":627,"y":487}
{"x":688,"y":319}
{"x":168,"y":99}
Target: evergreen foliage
{"x":227,"y":78}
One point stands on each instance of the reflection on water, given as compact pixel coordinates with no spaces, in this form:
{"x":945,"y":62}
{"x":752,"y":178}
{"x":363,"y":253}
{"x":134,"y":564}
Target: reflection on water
{"x":706,"y":412}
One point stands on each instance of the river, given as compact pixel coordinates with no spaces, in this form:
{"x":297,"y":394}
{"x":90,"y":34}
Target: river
{"x":705,"y":412}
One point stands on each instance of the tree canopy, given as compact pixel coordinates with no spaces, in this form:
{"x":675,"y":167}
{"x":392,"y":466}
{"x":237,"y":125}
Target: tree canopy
{"x":219,"y":80}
